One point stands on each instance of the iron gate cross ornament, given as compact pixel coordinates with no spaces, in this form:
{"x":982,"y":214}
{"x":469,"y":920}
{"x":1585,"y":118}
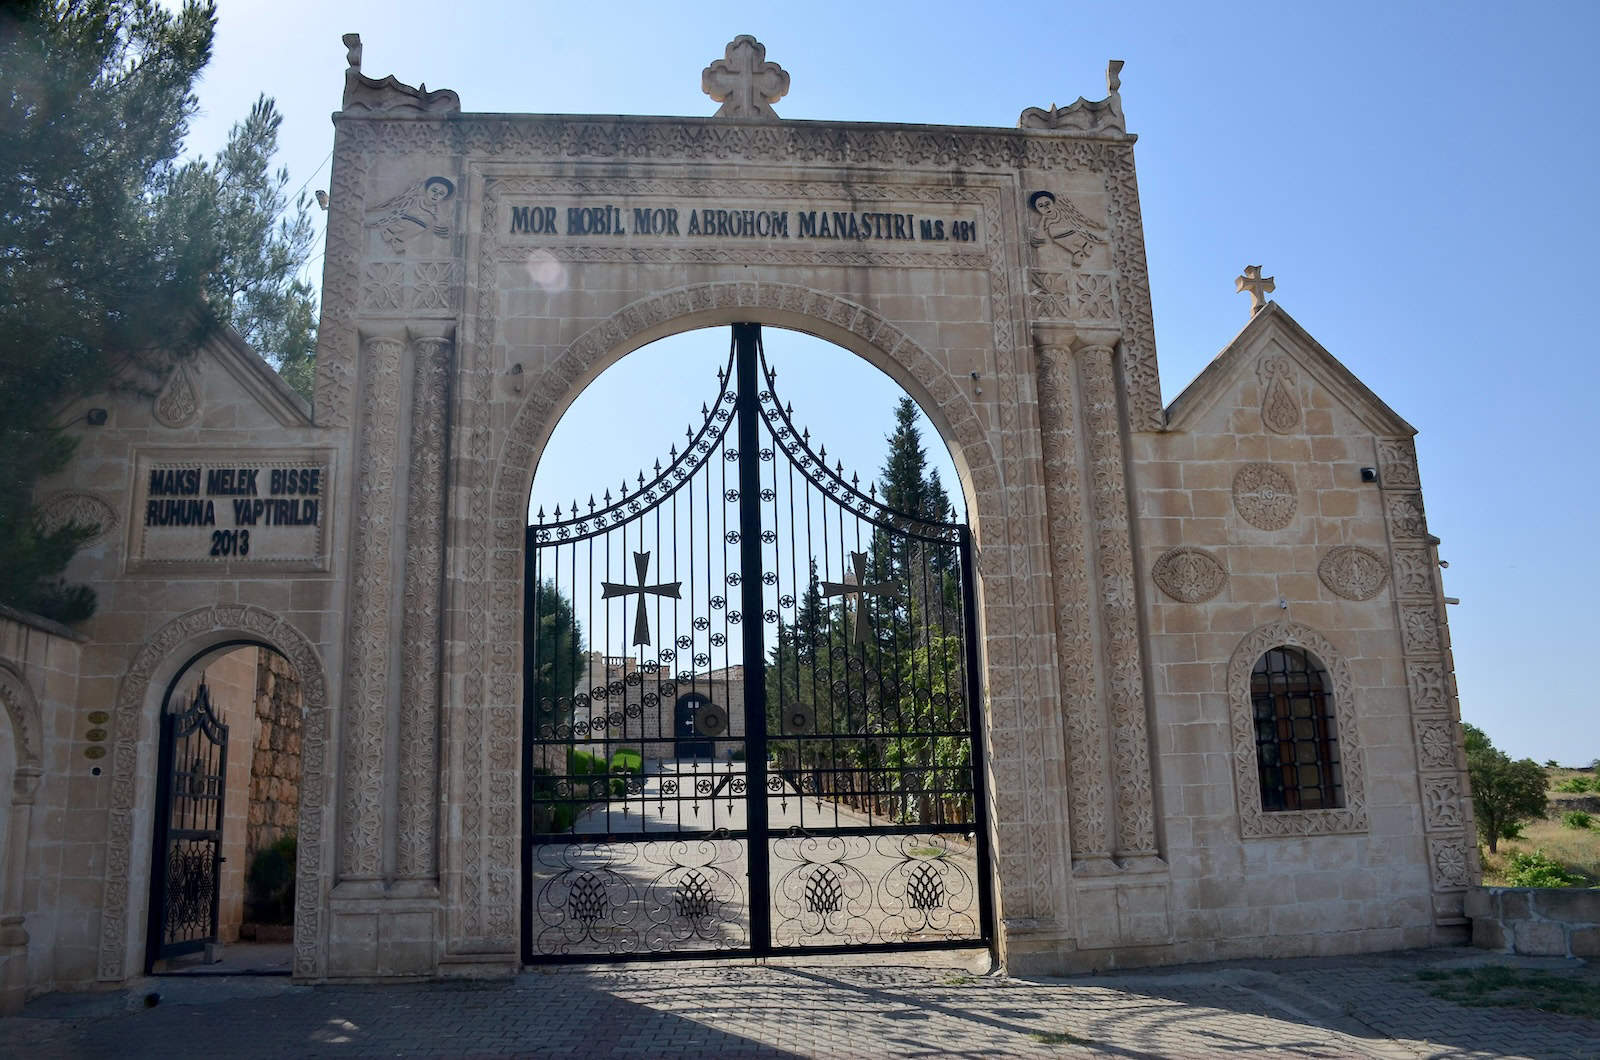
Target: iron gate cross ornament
{"x":641,"y":625}
{"x":858,"y":560}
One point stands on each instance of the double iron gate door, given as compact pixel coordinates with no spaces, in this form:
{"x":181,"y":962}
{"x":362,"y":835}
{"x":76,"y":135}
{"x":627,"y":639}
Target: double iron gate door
{"x":751,"y":706}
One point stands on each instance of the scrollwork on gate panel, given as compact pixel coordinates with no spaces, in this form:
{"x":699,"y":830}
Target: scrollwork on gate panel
{"x":616,"y":898}
{"x":822,"y":898}
{"x":928,"y":892}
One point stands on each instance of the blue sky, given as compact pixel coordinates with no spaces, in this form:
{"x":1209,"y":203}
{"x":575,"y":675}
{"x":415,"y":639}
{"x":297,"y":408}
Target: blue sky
{"x":1419,"y":177}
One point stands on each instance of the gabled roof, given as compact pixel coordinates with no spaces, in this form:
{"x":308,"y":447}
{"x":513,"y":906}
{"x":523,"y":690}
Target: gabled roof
{"x":259,"y":379}
{"x":1273,"y":322}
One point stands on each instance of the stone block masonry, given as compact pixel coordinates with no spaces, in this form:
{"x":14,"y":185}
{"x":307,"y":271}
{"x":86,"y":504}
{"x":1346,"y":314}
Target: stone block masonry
{"x":275,"y":770}
{"x":1536,"y":921}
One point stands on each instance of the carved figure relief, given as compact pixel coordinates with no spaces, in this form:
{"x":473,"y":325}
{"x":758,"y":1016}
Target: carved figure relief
{"x":1189,"y":575}
{"x":85,"y":509}
{"x":1280,"y":409}
{"x":1264,"y":496}
{"x":1059,"y":229}
{"x":176,"y":402}
{"x":418,"y":209}
{"x":1353,"y":573}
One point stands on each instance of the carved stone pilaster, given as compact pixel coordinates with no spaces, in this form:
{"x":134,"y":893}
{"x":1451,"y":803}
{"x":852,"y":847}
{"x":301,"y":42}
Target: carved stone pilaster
{"x":366,"y":712}
{"x":1122,"y":655}
{"x":416,"y":842}
{"x":1087,"y":778}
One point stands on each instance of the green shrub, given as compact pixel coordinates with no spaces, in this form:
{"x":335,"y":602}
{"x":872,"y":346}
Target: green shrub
{"x":1577,"y":819}
{"x":626,"y":760}
{"x":269,"y":884}
{"x":1537,"y":869}
{"x":1578,"y":785}
{"x":584,"y":764}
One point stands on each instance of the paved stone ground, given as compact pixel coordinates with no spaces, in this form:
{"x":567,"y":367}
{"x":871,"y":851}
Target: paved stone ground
{"x":933,"y":1005}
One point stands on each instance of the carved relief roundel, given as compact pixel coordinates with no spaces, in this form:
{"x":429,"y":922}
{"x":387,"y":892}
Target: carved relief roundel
{"x":1189,"y":575}
{"x":1354,"y":573}
{"x":1264,"y":496}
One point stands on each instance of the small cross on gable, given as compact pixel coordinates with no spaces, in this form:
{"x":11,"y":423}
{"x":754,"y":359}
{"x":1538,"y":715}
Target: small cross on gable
{"x":1259,"y":287}
{"x":744,"y":82}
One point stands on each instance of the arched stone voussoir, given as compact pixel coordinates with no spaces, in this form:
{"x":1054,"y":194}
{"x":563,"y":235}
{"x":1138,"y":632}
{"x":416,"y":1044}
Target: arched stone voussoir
{"x":827,"y":316}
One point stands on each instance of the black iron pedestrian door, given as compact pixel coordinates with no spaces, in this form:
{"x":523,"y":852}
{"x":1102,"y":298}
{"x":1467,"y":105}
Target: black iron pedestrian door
{"x":751,"y":708}
{"x":186,"y":884}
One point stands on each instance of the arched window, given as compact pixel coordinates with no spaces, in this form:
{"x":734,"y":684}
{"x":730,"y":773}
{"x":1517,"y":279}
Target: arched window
{"x":1297,"y":742}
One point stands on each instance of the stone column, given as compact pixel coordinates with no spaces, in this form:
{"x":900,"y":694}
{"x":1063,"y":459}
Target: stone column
{"x":1088,"y":781}
{"x":1121,"y":652}
{"x":366,"y":722}
{"x":416,"y":843}
{"x":13,"y":937}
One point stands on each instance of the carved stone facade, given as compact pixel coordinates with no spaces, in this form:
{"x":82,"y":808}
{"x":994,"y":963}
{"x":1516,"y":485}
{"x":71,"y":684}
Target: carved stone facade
{"x":1133,"y":560}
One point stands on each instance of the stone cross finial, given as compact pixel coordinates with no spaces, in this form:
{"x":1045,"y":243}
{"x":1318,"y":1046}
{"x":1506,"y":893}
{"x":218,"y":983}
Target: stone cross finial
{"x":744,"y":82}
{"x":855,"y":588}
{"x":1259,"y":287}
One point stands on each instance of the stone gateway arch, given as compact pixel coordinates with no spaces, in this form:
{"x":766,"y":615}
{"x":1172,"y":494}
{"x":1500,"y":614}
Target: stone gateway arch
{"x":1214,"y":712}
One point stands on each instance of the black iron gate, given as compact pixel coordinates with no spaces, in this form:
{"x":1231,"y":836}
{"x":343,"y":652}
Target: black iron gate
{"x":186,"y":881}
{"x":751,"y":707}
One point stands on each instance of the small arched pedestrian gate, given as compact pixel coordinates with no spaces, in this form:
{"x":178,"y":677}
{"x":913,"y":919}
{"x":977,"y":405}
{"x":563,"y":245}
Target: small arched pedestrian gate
{"x":830,"y":642}
{"x":186,"y":884}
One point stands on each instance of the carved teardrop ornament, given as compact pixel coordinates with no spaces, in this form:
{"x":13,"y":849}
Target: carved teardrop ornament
{"x":1189,"y":575}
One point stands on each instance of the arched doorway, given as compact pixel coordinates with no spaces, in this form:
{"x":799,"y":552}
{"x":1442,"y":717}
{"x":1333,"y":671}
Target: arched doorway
{"x":749,"y":596}
{"x":691,"y":742}
{"x":227,"y":805}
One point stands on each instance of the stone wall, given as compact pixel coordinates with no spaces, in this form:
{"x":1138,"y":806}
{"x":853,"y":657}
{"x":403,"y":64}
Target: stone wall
{"x":1536,"y":921}
{"x":230,"y":681}
{"x":48,"y":872}
{"x":275,"y":771}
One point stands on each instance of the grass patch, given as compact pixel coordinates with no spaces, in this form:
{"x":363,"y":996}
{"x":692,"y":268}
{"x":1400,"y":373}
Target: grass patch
{"x":959,"y":980}
{"x":1496,"y":986}
{"x":1058,"y":1038}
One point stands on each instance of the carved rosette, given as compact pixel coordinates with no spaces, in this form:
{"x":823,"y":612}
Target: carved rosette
{"x":1189,"y":575}
{"x":1280,"y":408}
{"x":1352,"y":572}
{"x":1264,"y":496}
{"x":177,"y":403}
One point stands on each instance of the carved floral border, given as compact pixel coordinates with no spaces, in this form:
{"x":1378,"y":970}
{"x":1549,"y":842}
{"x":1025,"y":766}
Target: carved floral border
{"x":1254,"y":822}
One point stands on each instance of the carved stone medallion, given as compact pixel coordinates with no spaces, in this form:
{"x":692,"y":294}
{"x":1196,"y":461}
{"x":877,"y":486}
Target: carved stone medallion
{"x":1189,"y":575}
{"x":82,"y":508}
{"x":1264,"y":496}
{"x":1354,"y":573}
